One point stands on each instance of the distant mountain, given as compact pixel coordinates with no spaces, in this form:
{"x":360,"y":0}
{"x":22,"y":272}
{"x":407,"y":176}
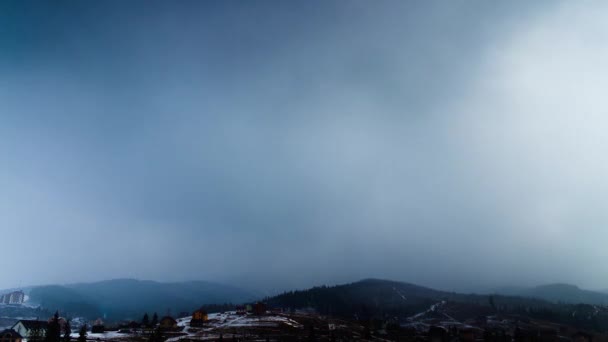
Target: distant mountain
{"x":129,"y":298}
{"x":558,"y":293}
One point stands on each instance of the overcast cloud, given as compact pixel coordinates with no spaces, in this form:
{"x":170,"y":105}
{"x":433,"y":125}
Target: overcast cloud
{"x":458,"y":144}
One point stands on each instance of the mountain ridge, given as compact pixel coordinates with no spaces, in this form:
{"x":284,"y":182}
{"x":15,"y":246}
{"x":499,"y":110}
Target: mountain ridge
{"x":128,"y":298}
{"x":558,"y":292}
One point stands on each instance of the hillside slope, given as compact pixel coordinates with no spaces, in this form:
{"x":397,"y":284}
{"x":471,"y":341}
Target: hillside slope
{"x":375,"y":297}
{"x":128,"y":298}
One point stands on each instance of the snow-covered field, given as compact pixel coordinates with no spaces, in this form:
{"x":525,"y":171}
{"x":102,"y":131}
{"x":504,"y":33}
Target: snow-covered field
{"x":227,"y":321}
{"x":224,"y":323}
{"x":102,"y":336}
{"x":231,"y":319}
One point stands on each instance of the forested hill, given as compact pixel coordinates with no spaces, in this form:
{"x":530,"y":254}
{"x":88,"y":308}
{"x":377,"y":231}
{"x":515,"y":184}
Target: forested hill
{"x":363,"y":297}
{"x":392,"y":294}
{"x":379,"y":299}
{"x":375,"y":297}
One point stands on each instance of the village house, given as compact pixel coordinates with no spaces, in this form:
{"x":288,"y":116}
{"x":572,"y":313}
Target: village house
{"x":98,"y":327}
{"x":256,"y":309}
{"x":241,"y":310}
{"x":10,"y":335}
{"x":259,"y":309}
{"x":467,"y":334}
{"x":199,"y":318}
{"x":167,"y":323}
{"x":31,"y":328}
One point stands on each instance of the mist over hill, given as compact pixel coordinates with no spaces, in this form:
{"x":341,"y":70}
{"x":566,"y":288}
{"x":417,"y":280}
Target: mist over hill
{"x":122,"y":299}
{"x":558,"y":293}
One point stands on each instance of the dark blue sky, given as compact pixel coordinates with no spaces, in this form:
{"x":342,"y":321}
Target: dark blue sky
{"x":297,"y":143}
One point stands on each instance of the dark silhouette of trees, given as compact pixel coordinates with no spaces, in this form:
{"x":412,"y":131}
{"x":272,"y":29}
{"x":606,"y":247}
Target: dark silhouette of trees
{"x":154,"y":320}
{"x":491,"y":300}
{"x":82,"y":334}
{"x":311,"y":333}
{"x":157,"y":336}
{"x":367,"y":332}
{"x":53,"y":331}
{"x":146,"y":320}
{"x":67,"y":331}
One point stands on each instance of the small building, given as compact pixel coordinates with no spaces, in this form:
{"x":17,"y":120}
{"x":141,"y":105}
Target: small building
{"x":15,"y":297}
{"x":98,"y":327}
{"x":466,"y":334}
{"x":31,"y":329}
{"x":259,"y":309}
{"x":133,"y":325}
{"x":199,"y":318}
{"x":10,"y":335}
{"x":167,"y":323}
{"x":241,"y":310}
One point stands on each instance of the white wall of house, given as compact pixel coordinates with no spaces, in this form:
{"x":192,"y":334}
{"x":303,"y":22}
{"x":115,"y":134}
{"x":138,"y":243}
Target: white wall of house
{"x":20,"y":329}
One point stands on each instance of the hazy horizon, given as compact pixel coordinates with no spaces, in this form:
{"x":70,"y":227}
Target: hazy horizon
{"x":456,"y":145}
{"x":500,"y":289}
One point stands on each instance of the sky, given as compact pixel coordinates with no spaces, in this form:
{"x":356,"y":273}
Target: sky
{"x":284,"y":144}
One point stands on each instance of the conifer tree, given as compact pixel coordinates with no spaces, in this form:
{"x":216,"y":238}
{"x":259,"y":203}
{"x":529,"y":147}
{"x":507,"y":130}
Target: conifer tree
{"x":67,"y":331}
{"x":146,"y":320}
{"x":82,"y":334}
{"x":53,"y":332}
